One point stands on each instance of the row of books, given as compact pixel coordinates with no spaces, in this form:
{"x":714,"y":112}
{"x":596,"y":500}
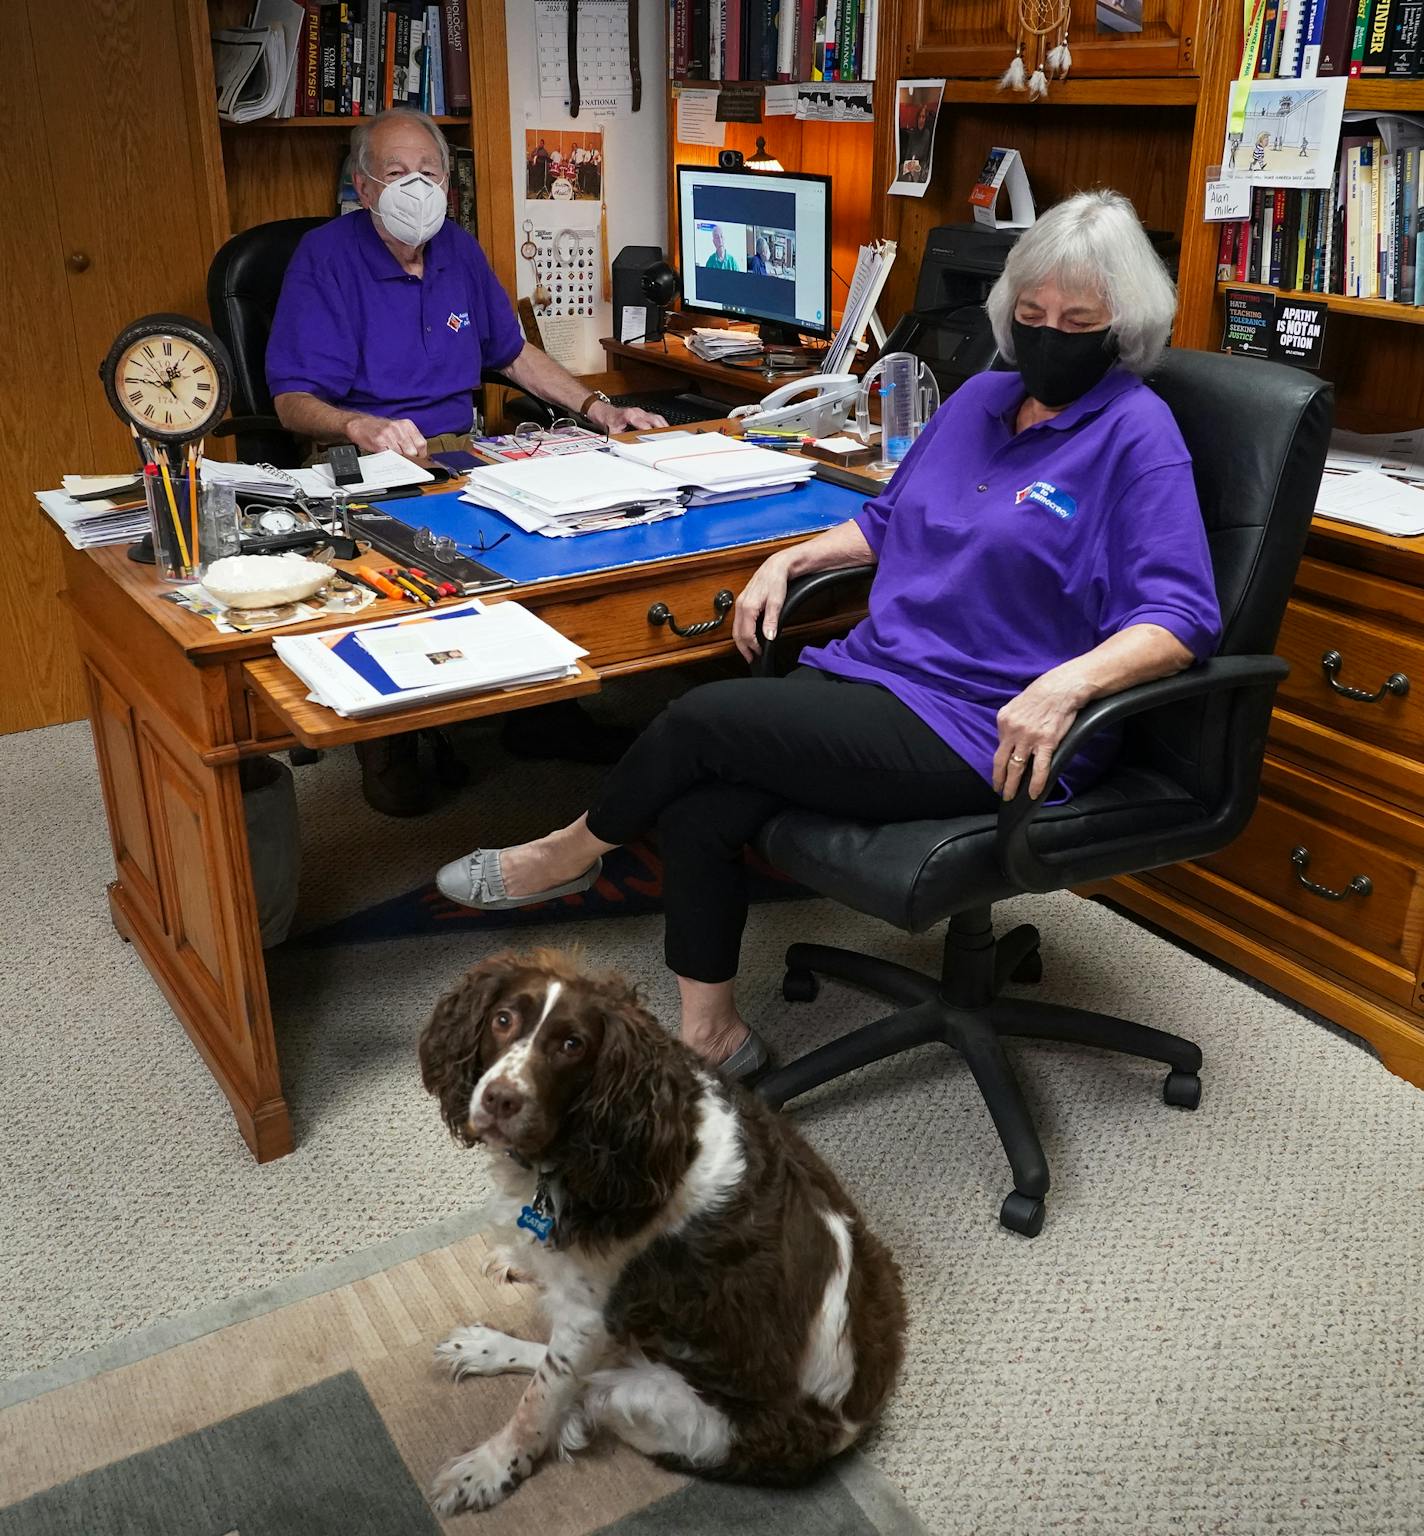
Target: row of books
{"x":358,"y":57}
{"x":1309,"y":39}
{"x":782,"y":40}
{"x":1364,"y":238}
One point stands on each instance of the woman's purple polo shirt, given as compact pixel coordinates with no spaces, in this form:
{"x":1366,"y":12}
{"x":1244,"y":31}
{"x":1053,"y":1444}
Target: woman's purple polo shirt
{"x":355,"y":330}
{"x":1002,"y":555}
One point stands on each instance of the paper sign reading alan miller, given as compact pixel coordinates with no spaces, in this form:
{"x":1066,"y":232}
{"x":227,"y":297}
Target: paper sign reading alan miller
{"x":1283,"y":133}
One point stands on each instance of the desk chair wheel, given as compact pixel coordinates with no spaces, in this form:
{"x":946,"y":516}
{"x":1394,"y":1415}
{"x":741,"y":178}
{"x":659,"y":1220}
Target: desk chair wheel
{"x":1029,"y":970}
{"x":303,"y":757}
{"x":798,"y":986}
{"x":1022,"y":1214}
{"x":1183,"y":1089}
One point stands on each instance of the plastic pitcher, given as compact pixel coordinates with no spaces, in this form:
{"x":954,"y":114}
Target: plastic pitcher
{"x":909,"y":396}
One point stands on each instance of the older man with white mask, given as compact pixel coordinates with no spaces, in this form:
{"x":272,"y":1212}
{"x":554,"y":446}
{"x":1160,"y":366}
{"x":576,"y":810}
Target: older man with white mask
{"x":388,"y":315}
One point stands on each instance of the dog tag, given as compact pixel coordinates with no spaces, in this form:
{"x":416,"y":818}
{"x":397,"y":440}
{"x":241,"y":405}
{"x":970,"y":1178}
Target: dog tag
{"x":539,"y":1217}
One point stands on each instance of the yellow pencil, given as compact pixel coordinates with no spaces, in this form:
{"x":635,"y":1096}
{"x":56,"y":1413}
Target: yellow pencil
{"x":173,"y":510}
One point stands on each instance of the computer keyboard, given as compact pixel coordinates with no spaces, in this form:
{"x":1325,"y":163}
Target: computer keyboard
{"x":678,"y":410}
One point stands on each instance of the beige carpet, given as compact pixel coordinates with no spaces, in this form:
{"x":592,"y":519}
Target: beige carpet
{"x":1217,"y":1331}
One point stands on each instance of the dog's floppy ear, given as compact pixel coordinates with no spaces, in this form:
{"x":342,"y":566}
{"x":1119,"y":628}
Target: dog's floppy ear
{"x":450,"y":1042}
{"x":628,"y":1138}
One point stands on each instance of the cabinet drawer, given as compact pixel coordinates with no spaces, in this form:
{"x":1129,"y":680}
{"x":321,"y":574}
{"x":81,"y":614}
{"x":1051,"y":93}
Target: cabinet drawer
{"x":1364,"y":654}
{"x":1259,"y":881}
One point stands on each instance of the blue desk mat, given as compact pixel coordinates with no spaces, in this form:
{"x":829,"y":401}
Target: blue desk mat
{"x":525,"y":557}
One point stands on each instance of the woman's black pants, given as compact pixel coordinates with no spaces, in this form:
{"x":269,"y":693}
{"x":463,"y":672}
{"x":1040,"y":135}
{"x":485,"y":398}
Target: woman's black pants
{"x":718,"y":762}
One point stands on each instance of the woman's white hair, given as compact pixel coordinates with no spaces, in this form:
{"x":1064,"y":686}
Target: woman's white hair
{"x":1092,"y":242}
{"x":361,"y":137}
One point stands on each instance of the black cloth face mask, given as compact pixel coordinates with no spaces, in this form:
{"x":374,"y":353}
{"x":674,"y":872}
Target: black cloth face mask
{"x":1059,"y":367}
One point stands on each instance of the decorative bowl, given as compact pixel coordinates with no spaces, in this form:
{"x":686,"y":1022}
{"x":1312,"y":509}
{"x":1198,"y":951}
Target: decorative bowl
{"x":264,"y":581}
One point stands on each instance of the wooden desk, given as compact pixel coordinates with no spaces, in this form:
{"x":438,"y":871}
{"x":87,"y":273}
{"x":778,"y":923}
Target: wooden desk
{"x":647,"y":365}
{"x":176,"y":706}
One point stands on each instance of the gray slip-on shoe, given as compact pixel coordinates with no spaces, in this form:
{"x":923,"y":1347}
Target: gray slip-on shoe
{"x":477,"y":881}
{"x":750,"y":1059}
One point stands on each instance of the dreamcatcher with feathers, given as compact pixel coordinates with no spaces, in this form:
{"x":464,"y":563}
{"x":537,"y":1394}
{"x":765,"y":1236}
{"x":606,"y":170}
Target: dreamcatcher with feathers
{"x":1034,"y":22}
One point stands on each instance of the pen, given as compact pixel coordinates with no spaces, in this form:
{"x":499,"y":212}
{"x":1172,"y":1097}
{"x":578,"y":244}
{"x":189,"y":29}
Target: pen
{"x":379,"y":582}
{"x":361,"y":580}
{"x":408,"y":586}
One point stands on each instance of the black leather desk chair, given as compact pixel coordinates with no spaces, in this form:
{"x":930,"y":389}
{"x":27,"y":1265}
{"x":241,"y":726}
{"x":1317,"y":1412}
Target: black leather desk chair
{"x":244,"y":281}
{"x":1184,"y":786}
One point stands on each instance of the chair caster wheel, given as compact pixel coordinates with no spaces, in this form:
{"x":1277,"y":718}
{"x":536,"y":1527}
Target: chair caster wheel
{"x":799,"y":986}
{"x":303,"y":757}
{"x":1029,"y":970}
{"x":1182,"y":1089}
{"x":1021,"y":1213}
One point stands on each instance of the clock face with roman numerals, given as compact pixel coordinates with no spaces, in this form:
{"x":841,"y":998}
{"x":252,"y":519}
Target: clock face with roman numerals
{"x":169,"y":376}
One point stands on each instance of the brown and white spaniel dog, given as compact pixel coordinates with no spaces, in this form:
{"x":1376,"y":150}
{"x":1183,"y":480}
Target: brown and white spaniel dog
{"x":713,"y":1295}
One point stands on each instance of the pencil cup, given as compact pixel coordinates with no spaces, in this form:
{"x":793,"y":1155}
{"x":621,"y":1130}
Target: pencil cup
{"x":218,"y":533}
{"x":172,"y":518}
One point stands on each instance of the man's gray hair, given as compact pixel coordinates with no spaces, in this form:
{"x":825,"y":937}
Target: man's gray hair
{"x":361,"y":137}
{"x":1092,"y":242}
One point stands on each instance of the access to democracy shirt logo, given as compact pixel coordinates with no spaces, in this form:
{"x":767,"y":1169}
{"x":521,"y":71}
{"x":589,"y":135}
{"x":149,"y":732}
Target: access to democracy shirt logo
{"x":456,"y":322}
{"x":1060,"y":503}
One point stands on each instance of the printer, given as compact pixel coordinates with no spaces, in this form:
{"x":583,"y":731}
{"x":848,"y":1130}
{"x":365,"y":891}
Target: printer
{"x":948,"y":327}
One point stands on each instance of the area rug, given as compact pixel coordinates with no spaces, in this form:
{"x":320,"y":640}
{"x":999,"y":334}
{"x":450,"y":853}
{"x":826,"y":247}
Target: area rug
{"x":631,"y":885}
{"x":327,"y":1417}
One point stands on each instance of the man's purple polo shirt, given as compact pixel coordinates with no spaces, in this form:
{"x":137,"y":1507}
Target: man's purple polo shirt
{"x":356,"y":331}
{"x":1002,"y":555}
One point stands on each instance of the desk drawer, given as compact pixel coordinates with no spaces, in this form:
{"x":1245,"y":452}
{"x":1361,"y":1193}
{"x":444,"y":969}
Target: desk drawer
{"x":1371,"y":935}
{"x":616,"y":628}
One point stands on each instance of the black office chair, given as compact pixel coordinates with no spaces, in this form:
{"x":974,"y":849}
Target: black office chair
{"x":244,"y":280}
{"x":1183,"y":786}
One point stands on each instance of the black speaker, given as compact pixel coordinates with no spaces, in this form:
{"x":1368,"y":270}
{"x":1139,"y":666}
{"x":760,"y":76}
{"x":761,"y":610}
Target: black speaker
{"x":643,"y":285}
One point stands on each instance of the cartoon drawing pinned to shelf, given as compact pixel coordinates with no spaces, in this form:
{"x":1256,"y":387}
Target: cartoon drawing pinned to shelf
{"x":1283,"y":133}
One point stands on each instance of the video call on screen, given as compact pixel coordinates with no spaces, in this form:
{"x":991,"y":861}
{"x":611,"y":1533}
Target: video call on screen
{"x":744,"y":248}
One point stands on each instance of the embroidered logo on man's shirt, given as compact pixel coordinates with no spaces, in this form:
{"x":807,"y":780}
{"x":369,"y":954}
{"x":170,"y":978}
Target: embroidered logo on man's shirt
{"x":457,"y":322}
{"x":1060,"y":503}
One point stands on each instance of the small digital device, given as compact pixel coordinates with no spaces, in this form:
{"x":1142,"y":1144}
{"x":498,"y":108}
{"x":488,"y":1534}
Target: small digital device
{"x":457,"y":460}
{"x":757,"y":245}
{"x":345,"y":463}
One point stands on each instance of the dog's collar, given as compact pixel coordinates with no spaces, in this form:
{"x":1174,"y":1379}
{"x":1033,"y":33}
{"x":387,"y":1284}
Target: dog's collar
{"x":522,"y":1161}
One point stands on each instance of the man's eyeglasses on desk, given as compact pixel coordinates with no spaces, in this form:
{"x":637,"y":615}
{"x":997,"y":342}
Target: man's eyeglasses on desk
{"x":443,"y":547}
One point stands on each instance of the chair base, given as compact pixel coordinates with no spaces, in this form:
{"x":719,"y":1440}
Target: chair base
{"x":963,"y":1009}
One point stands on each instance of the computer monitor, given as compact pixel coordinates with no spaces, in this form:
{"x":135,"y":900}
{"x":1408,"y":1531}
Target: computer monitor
{"x":757,"y":244}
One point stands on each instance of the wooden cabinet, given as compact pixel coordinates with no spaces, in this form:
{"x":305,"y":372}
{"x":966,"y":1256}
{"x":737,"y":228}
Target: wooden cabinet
{"x":976,"y":38}
{"x":107,"y":217}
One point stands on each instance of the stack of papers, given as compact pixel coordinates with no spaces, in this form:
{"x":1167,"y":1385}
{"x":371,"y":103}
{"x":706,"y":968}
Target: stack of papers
{"x":1392,"y":453}
{"x":1372,"y":500}
{"x":712,"y":344}
{"x":714,"y":467}
{"x":559,"y":498}
{"x":386,"y":471}
{"x":872,"y":267}
{"x":367,"y":669}
{"x":256,"y":66}
{"x":90,"y":524}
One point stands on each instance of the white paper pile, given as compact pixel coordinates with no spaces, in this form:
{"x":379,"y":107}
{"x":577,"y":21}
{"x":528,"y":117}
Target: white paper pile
{"x":385,"y":471}
{"x":712,"y":344}
{"x":429,"y":656}
{"x":256,"y":66}
{"x":560,"y":497}
{"x":1392,"y":453}
{"x":715,"y":467}
{"x":1372,"y":500}
{"x":90,"y":524}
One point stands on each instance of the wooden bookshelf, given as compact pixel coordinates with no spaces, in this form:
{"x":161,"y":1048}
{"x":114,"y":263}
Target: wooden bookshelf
{"x":268,"y":124}
{"x":1338,"y":303}
{"x":1384,"y":96}
{"x":1073,"y":92}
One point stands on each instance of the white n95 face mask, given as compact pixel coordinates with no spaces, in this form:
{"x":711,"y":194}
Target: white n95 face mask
{"x":412,"y":209}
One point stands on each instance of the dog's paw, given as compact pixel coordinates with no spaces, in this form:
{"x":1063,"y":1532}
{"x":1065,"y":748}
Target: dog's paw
{"x":501,"y":1267}
{"x":480,"y":1351}
{"x":480,"y":1479}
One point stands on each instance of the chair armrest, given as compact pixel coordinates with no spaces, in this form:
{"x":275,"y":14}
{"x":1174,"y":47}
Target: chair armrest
{"x":550,"y":411}
{"x":1248,"y":677}
{"x":235,"y":424}
{"x":798,"y":593}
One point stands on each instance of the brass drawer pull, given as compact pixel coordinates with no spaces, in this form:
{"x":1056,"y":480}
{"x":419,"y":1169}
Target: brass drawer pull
{"x":660,"y":613}
{"x":1331,"y":662}
{"x":1361,"y":885}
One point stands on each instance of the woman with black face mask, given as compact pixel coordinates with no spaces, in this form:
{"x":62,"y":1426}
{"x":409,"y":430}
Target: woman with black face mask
{"x":1039,"y":547}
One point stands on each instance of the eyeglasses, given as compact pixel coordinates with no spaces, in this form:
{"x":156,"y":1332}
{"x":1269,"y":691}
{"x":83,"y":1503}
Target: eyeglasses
{"x":531,"y":437}
{"x":443,"y":547}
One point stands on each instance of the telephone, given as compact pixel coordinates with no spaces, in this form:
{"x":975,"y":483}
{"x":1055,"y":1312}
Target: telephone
{"x":833,"y":397}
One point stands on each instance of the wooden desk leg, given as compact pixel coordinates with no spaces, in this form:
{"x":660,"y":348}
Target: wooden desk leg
{"x":183,"y":895}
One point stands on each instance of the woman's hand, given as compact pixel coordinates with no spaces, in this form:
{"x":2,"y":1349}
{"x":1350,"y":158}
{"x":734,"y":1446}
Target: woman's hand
{"x":761,"y":598}
{"x":1030,"y":727}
